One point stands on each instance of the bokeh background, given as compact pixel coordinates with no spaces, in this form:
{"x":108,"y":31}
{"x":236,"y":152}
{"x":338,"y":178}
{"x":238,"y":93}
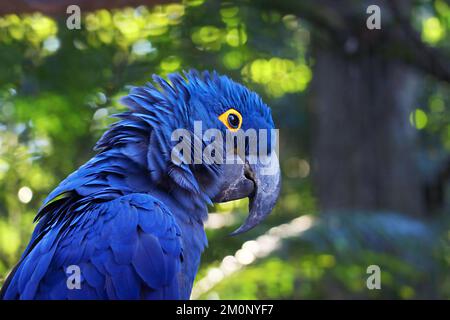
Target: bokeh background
{"x":363,"y":118}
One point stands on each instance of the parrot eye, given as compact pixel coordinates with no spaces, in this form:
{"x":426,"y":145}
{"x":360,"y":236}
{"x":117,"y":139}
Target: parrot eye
{"x":232,"y":119}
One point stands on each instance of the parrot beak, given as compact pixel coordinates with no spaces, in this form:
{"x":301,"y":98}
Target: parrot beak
{"x":258,"y":181}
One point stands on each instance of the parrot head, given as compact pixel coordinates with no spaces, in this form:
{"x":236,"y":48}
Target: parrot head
{"x":215,"y":128}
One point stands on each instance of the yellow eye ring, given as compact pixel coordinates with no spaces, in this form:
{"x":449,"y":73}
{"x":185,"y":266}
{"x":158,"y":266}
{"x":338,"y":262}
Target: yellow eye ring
{"x":232,"y":119}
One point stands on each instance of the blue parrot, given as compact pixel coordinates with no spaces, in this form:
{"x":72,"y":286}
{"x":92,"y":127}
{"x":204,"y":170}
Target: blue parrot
{"x":131,"y":218}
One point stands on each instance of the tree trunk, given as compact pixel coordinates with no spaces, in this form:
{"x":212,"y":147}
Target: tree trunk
{"x":364,"y":148}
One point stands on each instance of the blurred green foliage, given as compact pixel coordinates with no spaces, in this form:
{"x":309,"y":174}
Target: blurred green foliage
{"x":58,"y":88}
{"x":330,"y":260}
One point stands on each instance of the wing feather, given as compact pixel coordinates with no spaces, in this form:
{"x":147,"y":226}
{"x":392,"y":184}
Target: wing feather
{"x":127,"y":248}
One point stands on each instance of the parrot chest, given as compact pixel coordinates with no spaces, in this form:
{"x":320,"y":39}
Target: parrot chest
{"x":194,"y":242}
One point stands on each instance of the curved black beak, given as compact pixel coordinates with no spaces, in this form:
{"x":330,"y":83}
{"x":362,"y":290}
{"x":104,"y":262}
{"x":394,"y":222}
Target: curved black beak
{"x":258,"y":181}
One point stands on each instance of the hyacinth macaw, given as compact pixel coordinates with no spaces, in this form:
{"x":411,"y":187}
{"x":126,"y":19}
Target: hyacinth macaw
{"x":130,"y":218}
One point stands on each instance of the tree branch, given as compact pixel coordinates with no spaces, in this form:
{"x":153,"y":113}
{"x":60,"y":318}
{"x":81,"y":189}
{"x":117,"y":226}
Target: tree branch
{"x":430,"y":60}
{"x":341,"y":20}
{"x":59,"y":7}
